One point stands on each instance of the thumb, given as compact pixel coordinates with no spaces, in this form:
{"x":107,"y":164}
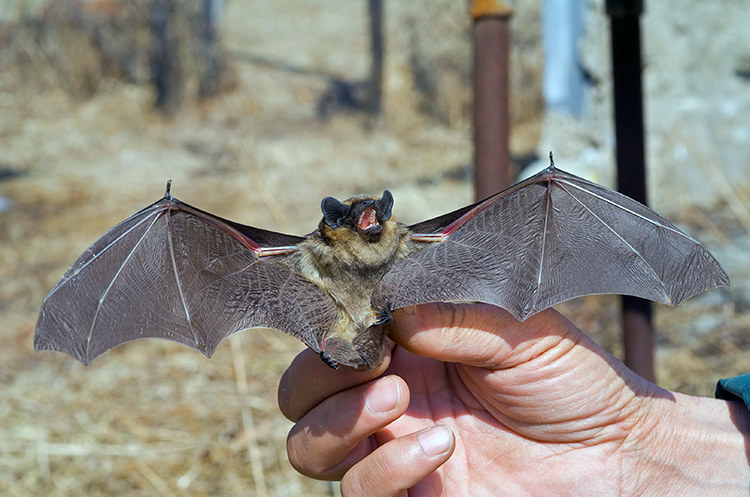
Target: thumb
{"x":479,"y":335}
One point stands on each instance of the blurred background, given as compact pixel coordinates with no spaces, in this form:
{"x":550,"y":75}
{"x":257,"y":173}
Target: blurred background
{"x":256,"y":110}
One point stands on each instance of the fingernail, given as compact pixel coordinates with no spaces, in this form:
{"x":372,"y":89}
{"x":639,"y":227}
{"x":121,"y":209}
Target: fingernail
{"x":383,"y":396}
{"x":436,"y":440}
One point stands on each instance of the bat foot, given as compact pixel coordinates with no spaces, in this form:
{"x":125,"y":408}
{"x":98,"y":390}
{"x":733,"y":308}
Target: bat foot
{"x":366,"y":361}
{"x":384,"y":315}
{"x":327,"y":359}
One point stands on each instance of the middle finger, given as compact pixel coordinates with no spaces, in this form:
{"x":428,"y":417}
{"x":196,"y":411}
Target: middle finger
{"x":335,"y":434}
{"x":308,"y":381}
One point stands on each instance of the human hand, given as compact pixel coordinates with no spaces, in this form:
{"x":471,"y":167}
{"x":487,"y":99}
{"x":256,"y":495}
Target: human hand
{"x":533,"y":408}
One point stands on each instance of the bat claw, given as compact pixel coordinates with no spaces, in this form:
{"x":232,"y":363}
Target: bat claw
{"x":366,"y":361}
{"x":384,"y":315}
{"x":327,"y":359}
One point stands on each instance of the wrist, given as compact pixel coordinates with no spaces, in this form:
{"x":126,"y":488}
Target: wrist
{"x":692,"y":446}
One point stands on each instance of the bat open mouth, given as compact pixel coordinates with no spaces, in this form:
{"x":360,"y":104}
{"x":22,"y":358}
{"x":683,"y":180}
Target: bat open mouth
{"x":368,"y":221}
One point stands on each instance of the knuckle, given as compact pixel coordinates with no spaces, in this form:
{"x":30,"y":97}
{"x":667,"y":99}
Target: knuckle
{"x":303,"y":454}
{"x":297,"y":449}
{"x":313,"y":457}
{"x":375,"y":475}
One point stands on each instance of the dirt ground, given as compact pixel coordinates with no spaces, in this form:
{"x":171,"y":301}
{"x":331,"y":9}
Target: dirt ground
{"x":155,"y":418}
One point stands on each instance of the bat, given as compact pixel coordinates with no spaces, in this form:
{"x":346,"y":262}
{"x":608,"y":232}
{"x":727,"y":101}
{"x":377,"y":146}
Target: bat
{"x":176,"y":272}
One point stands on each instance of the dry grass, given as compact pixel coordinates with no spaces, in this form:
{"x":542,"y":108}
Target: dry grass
{"x":153,"y":418}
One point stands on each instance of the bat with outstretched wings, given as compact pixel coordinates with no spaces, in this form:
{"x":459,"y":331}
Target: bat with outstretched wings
{"x":176,"y":272}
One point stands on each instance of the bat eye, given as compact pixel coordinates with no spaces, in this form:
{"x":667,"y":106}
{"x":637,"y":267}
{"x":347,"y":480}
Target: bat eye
{"x":385,"y":204}
{"x":333,"y":211}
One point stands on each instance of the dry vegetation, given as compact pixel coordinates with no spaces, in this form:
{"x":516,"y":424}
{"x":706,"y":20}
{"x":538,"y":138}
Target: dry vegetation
{"x":154,"y":418}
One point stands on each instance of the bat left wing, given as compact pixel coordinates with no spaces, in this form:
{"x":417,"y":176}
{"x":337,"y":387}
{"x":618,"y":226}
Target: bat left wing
{"x":176,"y":272}
{"x":545,"y":240}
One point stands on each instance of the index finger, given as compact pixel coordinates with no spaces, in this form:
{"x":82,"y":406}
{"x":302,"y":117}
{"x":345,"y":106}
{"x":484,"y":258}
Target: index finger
{"x":480,"y":335}
{"x":308,"y":381}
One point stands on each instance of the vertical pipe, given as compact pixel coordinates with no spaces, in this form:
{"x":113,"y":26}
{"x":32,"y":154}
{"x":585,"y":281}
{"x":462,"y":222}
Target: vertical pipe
{"x":375,"y":8}
{"x":631,"y":163}
{"x":491,"y":33}
{"x":166,"y":63}
{"x":211,"y":62}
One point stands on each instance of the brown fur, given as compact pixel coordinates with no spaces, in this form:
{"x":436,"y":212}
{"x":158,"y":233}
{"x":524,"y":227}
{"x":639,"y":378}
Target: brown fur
{"x":347,"y":266}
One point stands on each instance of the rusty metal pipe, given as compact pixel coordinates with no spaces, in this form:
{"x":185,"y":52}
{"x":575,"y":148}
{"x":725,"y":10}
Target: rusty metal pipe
{"x":491,"y":116}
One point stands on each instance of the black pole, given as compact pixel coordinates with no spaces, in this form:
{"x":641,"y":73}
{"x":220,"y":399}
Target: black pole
{"x":631,"y":163}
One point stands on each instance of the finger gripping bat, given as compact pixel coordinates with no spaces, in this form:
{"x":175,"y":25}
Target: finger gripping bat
{"x":176,"y":272}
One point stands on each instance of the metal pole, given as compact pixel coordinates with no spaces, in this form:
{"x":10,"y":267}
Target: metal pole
{"x":375,"y":8}
{"x":491,"y":33}
{"x":631,"y":163}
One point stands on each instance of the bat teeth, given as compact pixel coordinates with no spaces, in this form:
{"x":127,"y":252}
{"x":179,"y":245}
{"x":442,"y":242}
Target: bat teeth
{"x":368,"y":219}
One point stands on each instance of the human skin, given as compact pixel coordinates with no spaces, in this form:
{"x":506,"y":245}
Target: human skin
{"x":470,"y":402}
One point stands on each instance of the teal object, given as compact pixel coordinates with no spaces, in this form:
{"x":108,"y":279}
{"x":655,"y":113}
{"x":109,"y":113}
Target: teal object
{"x":736,"y":388}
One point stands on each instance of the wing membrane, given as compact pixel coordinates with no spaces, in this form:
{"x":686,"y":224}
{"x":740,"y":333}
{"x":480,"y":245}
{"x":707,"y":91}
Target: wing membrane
{"x":548,"y":239}
{"x":172,"y":271}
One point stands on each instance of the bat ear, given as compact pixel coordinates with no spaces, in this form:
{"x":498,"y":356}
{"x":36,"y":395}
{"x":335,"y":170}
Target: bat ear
{"x":385,"y":204}
{"x":333,"y":211}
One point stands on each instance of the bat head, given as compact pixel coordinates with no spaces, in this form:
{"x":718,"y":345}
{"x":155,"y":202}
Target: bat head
{"x":364,"y":215}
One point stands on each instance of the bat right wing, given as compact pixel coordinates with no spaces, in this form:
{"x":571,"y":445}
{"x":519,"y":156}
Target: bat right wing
{"x":173,"y":271}
{"x":545,"y":240}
